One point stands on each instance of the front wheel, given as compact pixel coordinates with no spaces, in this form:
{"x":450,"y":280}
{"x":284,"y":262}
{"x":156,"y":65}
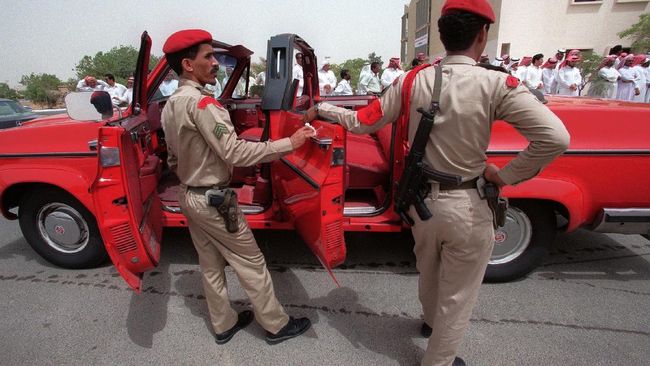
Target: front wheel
{"x":61,"y":230}
{"x":521,"y":244}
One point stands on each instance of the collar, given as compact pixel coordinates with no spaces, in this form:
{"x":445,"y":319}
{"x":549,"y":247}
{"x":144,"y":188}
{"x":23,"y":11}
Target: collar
{"x":458,"y":59}
{"x":188,"y":82}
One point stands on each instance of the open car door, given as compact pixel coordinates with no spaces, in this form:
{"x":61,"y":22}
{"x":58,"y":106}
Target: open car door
{"x":129,"y":212}
{"x":308,"y":183}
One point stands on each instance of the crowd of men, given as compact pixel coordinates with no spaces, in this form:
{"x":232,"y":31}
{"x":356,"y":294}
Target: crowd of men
{"x":619,"y":76}
{"x":120,"y":95}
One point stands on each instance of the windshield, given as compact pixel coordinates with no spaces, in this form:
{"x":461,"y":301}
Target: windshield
{"x":227,"y":64}
{"x":10,"y":107}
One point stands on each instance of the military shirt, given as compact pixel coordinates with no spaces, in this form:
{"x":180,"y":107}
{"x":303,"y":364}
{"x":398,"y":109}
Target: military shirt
{"x":202,"y":144}
{"x":471,"y":99}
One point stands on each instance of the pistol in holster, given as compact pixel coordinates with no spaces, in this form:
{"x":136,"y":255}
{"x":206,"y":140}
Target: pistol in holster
{"x":225,"y":201}
{"x":498,"y":205}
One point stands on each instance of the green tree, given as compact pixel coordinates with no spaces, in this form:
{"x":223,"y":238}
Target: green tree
{"x":589,"y":64}
{"x":257,"y":67}
{"x":372,"y":57}
{"x":639,"y":33}
{"x":119,"y":61}
{"x":42,"y":88}
{"x":7,"y":92}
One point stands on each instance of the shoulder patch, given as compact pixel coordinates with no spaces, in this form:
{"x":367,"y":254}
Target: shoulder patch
{"x":206,"y":101}
{"x":512,"y":82}
{"x":220,"y":129}
{"x":370,"y":114}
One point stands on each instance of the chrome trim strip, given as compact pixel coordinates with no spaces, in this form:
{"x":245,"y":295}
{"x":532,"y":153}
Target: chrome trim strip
{"x":50,"y":155}
{"x":356,"y":211}
{"x":581,"y":152}
{"x":623,"y":221}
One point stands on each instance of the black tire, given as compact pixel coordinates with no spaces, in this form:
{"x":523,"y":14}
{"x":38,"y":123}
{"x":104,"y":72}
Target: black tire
{"x":520,"y":245}
{"x":60,"y":229}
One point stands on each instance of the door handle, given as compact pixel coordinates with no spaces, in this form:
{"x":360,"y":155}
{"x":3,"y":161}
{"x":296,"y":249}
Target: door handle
{"x":323,"y":142}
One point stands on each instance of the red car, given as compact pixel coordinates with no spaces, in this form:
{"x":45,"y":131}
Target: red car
{"x":85,"y":189}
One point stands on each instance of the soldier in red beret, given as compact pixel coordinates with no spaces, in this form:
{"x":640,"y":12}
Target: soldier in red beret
{"x":203,"y":148}
{"x":453,"y":247}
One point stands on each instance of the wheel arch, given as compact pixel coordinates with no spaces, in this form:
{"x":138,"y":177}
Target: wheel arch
{"x":564,"y":197}
{"x":72,"y":184}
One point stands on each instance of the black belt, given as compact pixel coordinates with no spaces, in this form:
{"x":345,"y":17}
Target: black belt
{"x":470,"y":184}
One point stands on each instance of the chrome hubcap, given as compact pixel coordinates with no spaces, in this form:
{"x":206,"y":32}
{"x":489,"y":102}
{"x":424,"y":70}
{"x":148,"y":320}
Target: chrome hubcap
{"x":63,"y":228}
{"x":511,"y":240}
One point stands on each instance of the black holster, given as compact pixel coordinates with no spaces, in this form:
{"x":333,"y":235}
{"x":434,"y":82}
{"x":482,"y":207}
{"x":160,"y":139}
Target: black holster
{"x":498,"y":205}
{"x":225,"y":201}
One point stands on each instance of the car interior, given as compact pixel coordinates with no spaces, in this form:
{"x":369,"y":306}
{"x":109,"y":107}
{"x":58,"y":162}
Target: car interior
{"x":368,"y":157}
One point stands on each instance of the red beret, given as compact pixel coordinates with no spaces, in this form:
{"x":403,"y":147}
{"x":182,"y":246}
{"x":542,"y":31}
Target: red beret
{"x":478,"y":7}
{"x":186,"y":38}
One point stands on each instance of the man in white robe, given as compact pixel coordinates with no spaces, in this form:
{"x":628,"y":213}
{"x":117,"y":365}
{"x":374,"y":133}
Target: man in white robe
{"x":569,"y":78}
{"x":344,"y":87}
{"x":548,"y":75}
{"x":326,"y":78}
{"x":605,"y":83}
{"x":392,"y":72}
{"x":533,"y":78}
{"x":637,"y":65}
{"x":627,"y":84}
{"x":297,"y":73}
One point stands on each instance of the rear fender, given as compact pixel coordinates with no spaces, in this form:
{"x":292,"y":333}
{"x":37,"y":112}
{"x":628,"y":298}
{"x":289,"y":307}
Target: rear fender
{"x":565,"y":193}
{"x":70,"y":180}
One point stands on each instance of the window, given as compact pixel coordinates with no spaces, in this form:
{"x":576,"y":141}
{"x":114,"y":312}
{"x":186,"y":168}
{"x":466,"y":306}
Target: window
{"x":505,"y":49}
{"x":422,"y":13}
{"x":586,"y":2}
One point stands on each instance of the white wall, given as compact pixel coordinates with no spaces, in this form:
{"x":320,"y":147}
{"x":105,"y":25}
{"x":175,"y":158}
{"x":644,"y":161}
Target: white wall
{"x":532,"y":26}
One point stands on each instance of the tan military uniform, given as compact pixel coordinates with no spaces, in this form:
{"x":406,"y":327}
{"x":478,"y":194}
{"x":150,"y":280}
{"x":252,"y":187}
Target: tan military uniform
{"x":454,"y":246}
{"x":203,"y":148}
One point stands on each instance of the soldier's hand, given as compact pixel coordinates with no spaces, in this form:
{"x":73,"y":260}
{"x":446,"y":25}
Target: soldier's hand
{"x":300,"y":136}
{"x":310,"y":115}
{"x":491,"y":175}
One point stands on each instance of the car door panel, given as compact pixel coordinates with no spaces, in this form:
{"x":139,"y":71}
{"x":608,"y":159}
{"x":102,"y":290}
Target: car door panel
{"x":308,"y":185}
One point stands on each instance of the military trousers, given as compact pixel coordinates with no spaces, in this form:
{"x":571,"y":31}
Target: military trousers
{"x":217,"y":247}
{"x":452,"y":250}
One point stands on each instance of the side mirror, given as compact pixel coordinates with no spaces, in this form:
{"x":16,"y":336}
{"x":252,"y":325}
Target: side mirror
{"x":89,"y":106}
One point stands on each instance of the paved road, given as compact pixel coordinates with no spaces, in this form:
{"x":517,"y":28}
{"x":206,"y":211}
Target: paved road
{"x":587,"y":305}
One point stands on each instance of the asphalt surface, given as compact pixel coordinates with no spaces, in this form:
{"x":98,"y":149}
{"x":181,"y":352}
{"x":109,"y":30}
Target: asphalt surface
{"x":587,"y":305}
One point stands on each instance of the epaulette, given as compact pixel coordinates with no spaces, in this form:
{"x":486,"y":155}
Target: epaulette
{"x":492,"y":67}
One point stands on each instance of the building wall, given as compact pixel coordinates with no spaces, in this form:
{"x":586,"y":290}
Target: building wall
{"x":533,"y":26}
{"x":545,"y":26}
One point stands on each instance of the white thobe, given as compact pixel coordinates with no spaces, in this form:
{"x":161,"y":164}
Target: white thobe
{"x":127,"y":97}
{"x":389,"y":75}
{"x":533,"y":77}
{"x":566,"y":77}
{"x":520,"y":73}
{"x":611,"y":75}
{"x":370,"y":83}
{"x":627,"y":83}
{"x":167,"y":87}
{"x":548,"y":78}
{"x":640,"y":83}
{"x":326,"y":78}
{"x":297,"y":74}
{"x":647,"y":84}
{"x":344,"y":88}
{"x":260,"y":79}
{"x":116,"y":91}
